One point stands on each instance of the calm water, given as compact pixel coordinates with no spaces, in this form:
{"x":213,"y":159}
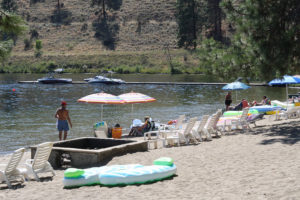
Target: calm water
{"x":27,"y":115}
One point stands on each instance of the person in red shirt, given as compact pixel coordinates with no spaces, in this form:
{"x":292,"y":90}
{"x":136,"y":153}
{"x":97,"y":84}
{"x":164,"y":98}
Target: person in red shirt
{"x":244,"y":103}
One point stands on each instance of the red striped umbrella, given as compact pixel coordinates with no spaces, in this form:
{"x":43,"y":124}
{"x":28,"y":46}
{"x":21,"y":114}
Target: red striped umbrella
{"x":101,"y":98}
{"x":134,"y":97}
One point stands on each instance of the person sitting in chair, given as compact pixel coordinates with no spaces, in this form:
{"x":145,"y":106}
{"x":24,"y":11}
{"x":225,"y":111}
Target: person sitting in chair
{"x":140,"y":130}
{"x":264,"y":101}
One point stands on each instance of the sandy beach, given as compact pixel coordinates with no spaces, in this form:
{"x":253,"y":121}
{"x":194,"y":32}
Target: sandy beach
{"x":261,"y":164}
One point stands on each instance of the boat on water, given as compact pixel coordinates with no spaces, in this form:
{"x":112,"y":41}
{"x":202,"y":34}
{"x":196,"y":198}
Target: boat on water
{"x":103,"y":79}
{"x":51,"y":80}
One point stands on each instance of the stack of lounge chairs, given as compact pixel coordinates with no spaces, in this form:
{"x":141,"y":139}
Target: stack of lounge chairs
{"x":33,"y":167}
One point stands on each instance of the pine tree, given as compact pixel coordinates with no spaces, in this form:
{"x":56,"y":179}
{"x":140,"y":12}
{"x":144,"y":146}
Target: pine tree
{"x":215,"y":15}
{"x":191,"y":17}
{"x":9,"y":5}
{"x":10,"y":25}
{"x":270,"y":33}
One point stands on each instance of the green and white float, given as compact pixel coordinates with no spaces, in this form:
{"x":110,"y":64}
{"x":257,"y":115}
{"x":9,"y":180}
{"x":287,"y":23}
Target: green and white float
{"x":116,"y":175}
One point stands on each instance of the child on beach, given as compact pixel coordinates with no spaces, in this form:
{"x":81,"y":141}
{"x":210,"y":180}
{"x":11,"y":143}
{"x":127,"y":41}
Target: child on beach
{"x":62,"y":115}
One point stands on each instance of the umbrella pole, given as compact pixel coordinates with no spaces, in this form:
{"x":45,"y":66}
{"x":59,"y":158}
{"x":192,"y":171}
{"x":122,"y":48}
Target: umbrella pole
{"x":132,"y":111}
{"x":236,"y":96}
{"x":101,"y":112}
{"x":287,"y":96}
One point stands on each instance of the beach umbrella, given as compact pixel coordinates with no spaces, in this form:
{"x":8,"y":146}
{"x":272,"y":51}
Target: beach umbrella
{"x":134,"y":97}
{"x":286,"y":80}
{"x":101,"y":98}
{"x":236,"y":86}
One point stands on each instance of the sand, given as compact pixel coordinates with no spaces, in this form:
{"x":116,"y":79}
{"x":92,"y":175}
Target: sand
{"x":261,"y":164}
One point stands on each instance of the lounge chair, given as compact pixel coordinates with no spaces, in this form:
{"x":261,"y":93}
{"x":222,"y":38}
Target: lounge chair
{"x":239,"y":122}
{"x":180,"y":135}
{"x":177,"y":126}
{"x":101,"y":131}
{"x":40,"y":162}
{"x":288,"y":114}
{"x":200,"y":129}
{"x":11,"y":172}
{"x":154,"y":137}
{"x":211,"y":126}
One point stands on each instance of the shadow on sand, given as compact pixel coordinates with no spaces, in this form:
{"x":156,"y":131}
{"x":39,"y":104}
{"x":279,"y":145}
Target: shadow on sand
{"x":286,"y":133}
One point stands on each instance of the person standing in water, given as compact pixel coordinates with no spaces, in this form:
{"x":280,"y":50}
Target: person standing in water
{"x":228,"y":100}
{"x":62,"y":115}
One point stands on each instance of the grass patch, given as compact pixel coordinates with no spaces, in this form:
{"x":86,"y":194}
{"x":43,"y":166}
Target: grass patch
{"x":152,"y":62}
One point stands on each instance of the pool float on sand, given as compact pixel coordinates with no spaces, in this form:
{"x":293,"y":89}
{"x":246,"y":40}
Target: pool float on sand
{"x":282,"y":104}
{"x":116,"y":175}
{"x":266,"y":109}
{"x":233,"y":113}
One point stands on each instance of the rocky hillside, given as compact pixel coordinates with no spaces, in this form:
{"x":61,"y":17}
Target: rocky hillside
{"x":75,"y":28}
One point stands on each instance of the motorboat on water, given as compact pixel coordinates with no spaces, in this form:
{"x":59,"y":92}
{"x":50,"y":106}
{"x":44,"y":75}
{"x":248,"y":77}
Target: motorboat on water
{"x":51,"y":80}
{"x":103,"y":79}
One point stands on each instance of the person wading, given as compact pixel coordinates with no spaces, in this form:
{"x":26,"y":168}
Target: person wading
{"x":62,"y":115}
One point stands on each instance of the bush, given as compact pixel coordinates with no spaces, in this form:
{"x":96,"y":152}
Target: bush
{"x":27,"y":44}
{"x":34,"y":34}
{"x":84,"y":27}
{"x":38,"y":45}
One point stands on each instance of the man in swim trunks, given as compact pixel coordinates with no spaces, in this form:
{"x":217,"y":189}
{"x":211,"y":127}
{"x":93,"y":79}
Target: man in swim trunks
{"x":62,"y":115}
{"x":228,"y":100}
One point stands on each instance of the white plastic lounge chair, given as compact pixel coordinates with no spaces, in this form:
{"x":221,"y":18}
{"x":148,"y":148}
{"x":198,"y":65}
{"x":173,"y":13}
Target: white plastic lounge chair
{"x":211,"y":127}
{"x":11,"y":172}
{"x":242,"y":121}
{"x":177,"y":126}
{"x":181,"y":135}
{"x":200,"y":129}
{"x":40,"y":162}
{"x":288,"y":114}
{"x":102,"y":131}
{"x":154,"y":137}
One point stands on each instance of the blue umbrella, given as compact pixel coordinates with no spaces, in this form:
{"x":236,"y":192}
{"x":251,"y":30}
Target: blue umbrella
{"x":235,"y":86}
{"x":286,"y":80}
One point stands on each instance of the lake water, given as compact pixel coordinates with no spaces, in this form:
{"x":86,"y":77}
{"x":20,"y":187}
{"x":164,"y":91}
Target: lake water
{"x":27,"y":114}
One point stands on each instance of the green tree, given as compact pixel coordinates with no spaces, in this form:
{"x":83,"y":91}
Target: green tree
{"x":9,"y":5}
{"x":269,"y":33}
{"x":10,"y":25}
{"x":214,"y":19}
{"x":191,"y":17}
{"x":100,"y":3}
{"x":38,"y":48}
{"x":106,"y":4}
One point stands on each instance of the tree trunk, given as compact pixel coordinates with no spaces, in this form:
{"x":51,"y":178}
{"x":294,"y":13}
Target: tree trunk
{"x":103,"y":8}
{"x":194,"y":25}
{"x":217,"y":21}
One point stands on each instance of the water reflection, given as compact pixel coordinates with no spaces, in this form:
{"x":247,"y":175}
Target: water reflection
{"x":27,"y":115}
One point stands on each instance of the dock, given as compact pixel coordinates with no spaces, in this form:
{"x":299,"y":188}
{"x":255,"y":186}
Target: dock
{"x":156,"y":83}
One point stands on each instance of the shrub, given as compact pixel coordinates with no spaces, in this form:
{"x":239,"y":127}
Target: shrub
{"x":34,"y":34}
{"x":27,"y":44}
{"x":38,"y":45}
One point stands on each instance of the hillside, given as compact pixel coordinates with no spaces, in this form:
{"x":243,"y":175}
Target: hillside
{"x":134,"y":25}
{"x":132,"y":38}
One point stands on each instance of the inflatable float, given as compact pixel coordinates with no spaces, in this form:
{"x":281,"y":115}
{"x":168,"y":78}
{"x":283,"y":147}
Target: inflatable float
{"x":266,"y":109}
{"x":233,"y":113}
{"x":282,"y":104}
{"x":116,"y":175}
